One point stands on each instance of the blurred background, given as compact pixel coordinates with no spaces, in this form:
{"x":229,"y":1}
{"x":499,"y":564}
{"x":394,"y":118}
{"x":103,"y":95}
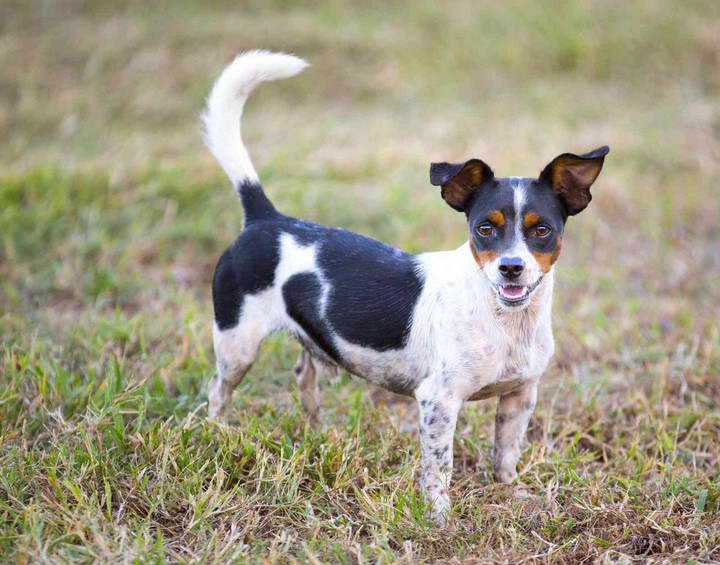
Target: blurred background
{"x":112,"y":213}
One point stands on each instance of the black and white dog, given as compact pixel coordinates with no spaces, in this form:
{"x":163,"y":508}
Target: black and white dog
{"x":443,"y":327}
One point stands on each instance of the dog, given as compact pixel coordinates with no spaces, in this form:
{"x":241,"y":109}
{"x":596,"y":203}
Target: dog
{"x":442,"y":327}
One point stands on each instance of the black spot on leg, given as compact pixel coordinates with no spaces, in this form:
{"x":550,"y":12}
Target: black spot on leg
{"x":424,"y":402}
{"x":429,"y":420}
{"x":440,"y":452}
{"x":528,"y":405}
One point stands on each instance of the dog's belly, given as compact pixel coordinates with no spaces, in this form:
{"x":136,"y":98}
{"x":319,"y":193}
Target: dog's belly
{"x":396,"y":370}
{"x":497,"y":389}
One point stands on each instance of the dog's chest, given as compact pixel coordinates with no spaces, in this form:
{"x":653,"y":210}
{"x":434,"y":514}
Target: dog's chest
{"x":497,"y":360}
{"x":506,"y":367}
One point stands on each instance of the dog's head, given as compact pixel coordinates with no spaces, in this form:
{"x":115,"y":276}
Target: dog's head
{"x":516,"y":224}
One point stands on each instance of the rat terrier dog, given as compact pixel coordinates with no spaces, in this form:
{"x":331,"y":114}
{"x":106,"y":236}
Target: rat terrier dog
{"x":443,"y":327}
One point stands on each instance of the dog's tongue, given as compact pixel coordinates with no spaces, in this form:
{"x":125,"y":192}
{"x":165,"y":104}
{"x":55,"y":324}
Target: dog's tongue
{"x":512,"y":291}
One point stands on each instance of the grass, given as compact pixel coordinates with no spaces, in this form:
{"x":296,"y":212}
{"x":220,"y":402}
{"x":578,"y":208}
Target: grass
{"x":112,"y":216}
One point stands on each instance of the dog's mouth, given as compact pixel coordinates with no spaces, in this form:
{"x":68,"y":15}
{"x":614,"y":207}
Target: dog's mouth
{"x":515,"y":294}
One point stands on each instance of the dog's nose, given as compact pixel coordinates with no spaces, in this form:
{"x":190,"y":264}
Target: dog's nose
{"x":511,"y":267}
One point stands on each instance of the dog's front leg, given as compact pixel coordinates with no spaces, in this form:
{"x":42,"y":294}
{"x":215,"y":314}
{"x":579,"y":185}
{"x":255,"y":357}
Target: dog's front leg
{"x":513,"y":414}
{"x":437,"y":418}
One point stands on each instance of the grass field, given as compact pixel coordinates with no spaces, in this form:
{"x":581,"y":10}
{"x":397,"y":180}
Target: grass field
{"x":112,"y":215}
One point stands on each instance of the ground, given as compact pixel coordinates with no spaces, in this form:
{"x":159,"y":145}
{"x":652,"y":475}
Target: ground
{"x":112,"y":215}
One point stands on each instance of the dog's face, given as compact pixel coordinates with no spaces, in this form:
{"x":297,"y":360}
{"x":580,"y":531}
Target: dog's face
{"x":516,"y":224}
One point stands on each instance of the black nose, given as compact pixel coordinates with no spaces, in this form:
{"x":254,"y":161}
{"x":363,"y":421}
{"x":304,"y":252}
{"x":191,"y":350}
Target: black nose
{"x":511,"y":267}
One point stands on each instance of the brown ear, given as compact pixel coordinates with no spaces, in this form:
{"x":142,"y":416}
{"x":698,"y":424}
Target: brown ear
{"x":459,"y":181}
{"x":572,"y":175}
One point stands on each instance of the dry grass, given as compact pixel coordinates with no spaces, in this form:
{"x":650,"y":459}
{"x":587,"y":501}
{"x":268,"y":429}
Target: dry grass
{"x":112,"y":215}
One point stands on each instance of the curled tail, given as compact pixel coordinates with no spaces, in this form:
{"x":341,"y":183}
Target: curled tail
{"x":221,"y":121}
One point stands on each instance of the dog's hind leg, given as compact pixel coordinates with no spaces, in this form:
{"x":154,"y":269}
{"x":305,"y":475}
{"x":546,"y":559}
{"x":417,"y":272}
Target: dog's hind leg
{"x":235,"y":352}
{"x":306,"y":375}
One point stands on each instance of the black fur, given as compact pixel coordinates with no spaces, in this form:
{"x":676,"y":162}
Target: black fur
{"x":473,"y":189}
{"x":255,"y":202}
{"x":374,"y":287}
{"x":302,"y":294}
{"x":247,"y":267}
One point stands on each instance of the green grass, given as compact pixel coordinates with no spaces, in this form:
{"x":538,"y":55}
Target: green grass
{"x":112,"y":216}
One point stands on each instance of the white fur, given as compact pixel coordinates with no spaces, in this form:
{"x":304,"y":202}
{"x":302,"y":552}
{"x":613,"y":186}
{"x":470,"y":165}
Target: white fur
{"x":221,"y":118}
{"x":471,"y":341}
{"x":519,"y":199}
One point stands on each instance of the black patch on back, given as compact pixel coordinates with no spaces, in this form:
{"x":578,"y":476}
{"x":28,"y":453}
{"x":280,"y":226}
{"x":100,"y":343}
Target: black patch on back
{"x":247,"y":266}
{"x":302,"y":294}
{"x":374,"y":287}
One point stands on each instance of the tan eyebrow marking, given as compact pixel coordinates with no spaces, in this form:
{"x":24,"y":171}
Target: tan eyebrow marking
{"x":496,"y":217}
{"x":531,"y":218}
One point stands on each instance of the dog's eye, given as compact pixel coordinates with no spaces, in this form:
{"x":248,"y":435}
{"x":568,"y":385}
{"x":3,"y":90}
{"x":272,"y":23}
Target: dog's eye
{"x":542,"y":231}
{"x":485,"y":230}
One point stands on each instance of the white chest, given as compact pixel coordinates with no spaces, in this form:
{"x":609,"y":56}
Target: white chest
{"x":485,"y":351}
{"x":491,"y":362}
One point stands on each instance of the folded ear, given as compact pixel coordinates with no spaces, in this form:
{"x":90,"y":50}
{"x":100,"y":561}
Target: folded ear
{"x":459,"y":181}
{"x":572,"y":175}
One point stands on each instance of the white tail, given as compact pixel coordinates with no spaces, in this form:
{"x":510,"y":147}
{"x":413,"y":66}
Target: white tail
{"x":221,"y":118}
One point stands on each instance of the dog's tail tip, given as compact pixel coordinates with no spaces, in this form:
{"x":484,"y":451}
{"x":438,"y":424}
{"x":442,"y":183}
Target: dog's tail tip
{"x":251,"y":68}
{"x":270,"y":65}
{"x":221,"y":118}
